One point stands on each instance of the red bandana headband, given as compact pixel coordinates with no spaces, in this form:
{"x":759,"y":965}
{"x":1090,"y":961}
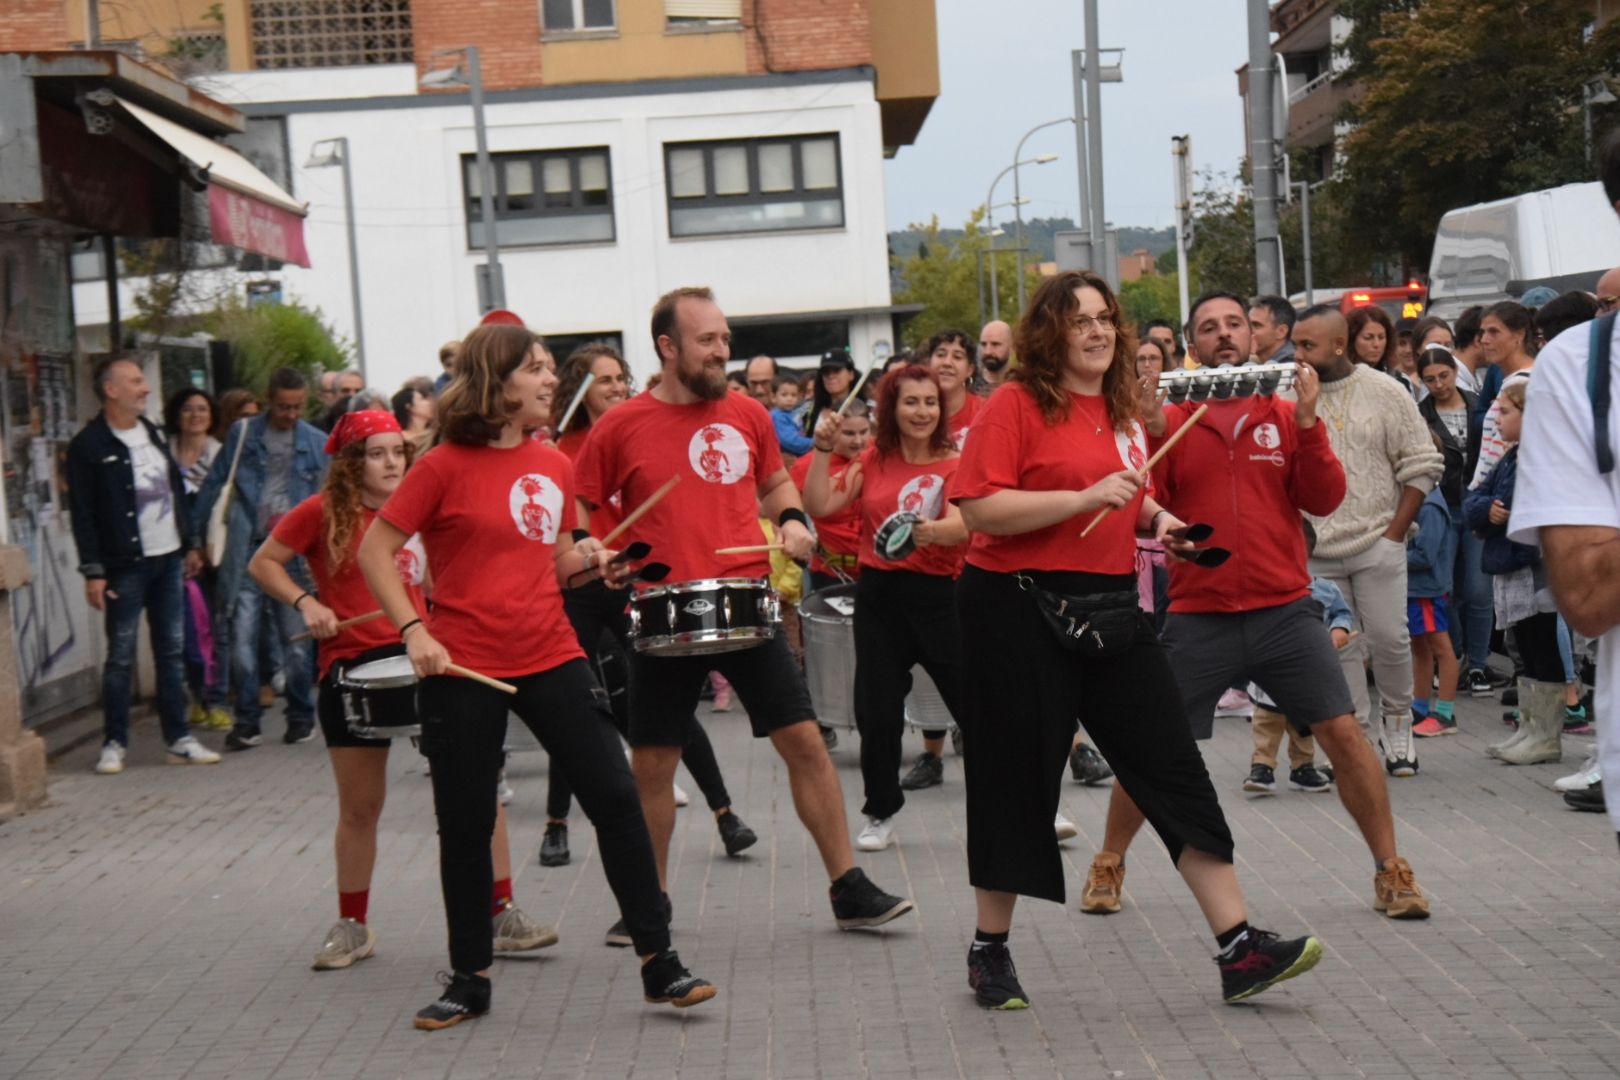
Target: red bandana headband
{"x":358,"y":426}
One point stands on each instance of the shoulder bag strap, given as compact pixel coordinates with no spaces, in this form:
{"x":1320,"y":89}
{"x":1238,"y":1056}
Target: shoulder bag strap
{"x":1598,"y":379}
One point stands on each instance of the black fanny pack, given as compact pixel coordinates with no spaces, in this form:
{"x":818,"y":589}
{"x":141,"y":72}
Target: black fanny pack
{"x":1101,"y":624}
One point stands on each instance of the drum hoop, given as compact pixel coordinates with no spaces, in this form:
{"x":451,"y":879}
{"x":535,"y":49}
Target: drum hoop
{"x":352,"y":679}
{"x":744,"y":634}
{"x":681,"y":588}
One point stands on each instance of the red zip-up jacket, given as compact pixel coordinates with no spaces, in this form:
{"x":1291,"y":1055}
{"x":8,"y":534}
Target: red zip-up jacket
{"x":1248,"y":471}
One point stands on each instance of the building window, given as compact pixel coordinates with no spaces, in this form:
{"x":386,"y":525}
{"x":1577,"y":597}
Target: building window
{"x":701,"y":13}
{"x":330,"y":33}
{"x":543,"y":197}
{"x":754,"y":185}
{"x":561,"y":16}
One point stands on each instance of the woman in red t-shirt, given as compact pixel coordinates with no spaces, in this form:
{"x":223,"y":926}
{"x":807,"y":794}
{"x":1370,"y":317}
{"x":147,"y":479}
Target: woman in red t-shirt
{"x":904,"y":613}
{"x":595,"y":609}
{"x":1057,"y":633}
{"x":495,"y":511}
{"x":953,"y":358}
{"x":369,"y":456}
{"x":838,"y":535}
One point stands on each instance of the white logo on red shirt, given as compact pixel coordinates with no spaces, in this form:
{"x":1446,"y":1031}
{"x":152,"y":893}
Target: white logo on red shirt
{"x":719,"y":454}
{"x":1132,"y":447}
{"x":410,"y":560}
{"x":923,"y":495}
{"x":1275,"y":457}
{"x":536,"y":504}
{"x":1266,"y":436}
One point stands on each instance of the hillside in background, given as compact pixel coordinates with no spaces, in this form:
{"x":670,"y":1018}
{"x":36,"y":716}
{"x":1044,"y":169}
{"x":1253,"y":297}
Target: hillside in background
{"x":1038,"y":238}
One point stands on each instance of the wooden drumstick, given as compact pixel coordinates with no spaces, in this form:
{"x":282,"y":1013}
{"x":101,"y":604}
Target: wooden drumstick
{"x":469,"y":673}
{"x":344,"y":625}
{"x":748,"y":549}
{"x":579,"y":396}
{"x":854,"y":391}
{"x":1152,"y":461}
{"x":652,"y":500}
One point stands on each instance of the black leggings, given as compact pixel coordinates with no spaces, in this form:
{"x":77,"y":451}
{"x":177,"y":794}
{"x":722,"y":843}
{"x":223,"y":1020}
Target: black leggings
{"x":902,"y":618}
{"x":463,"y":728}
{"x":1537,"y":641}
{"x":598,"y":615}
{"x":1020,"y":697}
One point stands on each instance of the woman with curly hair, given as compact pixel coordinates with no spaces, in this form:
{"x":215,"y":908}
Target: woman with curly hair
{"x":1061,"y":442}
{"x":369,"y":457}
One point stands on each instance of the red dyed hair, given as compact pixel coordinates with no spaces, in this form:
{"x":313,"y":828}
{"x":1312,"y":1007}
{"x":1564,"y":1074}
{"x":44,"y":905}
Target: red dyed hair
{"x":887,"y":439}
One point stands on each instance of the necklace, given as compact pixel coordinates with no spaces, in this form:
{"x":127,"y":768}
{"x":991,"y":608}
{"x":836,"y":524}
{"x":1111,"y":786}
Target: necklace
{"x":1090,"y":417}
{"x":1338,"y":417}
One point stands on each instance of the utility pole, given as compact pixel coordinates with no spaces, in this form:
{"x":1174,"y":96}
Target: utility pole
{"x":1262,"y":151}
{"x":1181,"y":158}
{"x":1305,"y":230}
{"x":1099,"y":223}
{"x":1082,"y":163}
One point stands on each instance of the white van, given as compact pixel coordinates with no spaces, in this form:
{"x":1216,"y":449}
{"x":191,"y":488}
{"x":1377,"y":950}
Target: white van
{"x":1564,"y":238}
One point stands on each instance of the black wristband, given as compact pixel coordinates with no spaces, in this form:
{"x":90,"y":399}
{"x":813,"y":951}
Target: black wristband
{"x":407,"y":626}
{"x":301,"y":598}
{"x":581,"y":534}
{"x":792,"y":513}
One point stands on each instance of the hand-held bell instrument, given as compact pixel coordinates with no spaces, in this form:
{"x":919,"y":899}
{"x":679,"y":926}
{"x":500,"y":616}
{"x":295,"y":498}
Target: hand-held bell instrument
{"x":1226,"y":382}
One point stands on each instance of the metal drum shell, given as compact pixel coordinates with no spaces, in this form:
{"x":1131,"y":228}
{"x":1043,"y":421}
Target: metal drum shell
{"x":704,"y":616}
{"x":829,"y":654}
{"x":925,"y":708}
{"x":378,"y":690}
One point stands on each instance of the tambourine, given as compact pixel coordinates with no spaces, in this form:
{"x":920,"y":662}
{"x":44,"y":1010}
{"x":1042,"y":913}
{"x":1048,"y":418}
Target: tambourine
{"x":893,"y":540}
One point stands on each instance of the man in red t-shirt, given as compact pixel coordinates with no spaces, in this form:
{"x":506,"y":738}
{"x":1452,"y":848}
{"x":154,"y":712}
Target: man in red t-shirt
{"x":724,"y":449}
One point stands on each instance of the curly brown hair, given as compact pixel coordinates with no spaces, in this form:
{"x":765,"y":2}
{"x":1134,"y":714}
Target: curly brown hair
{"x":341,"y":509}
{"x":571,"y":375}
{"x":1042,"y":345}
{"x":473,"y":408}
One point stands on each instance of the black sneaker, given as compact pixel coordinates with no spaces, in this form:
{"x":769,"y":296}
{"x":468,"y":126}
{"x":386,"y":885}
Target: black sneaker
{"x":736,"y":835}
{"x":618,"y":935}
{"x":994,"y":979}
{"x":1308,"y":778}
{"x":829,"y":737}
{"x":1479,"y":684}
{"x":554,"y":848}
{"x":464,"y":997}
{"x":665,"y":981}
{"x":929,"y":771}
{"x":1510,"y":696}
{"x":857,"y":902}
{"x":1589,"y":798}
{"x":1263,"y":960}
{"x":298,"y":733}
{"x":243,"y":737}
{"x":1087,"y":766}
{"x":1262,"y":779}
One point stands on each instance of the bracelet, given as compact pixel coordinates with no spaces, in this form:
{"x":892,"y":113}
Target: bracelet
{"x":822,"y":449}
{"x":301,"y":598}
{"x":792,"y":513}
{"x":408,"y":627}
{"x":1154,"y":520}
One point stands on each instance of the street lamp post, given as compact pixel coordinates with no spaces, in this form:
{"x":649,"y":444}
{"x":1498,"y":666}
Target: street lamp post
{"x":492,"y":293}
{"x":324,"y":154}
{"x":1018,"y":195}
{"x":990,"y":222}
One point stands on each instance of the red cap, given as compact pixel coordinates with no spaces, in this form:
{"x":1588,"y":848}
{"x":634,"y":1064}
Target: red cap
{"x":357,"y":426}
{"x":500,"y":317}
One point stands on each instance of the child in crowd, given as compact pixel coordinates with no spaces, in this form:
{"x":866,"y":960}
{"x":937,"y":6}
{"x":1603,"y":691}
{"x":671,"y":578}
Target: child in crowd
{"x":784,"y":406}
{"x":1431,"y":561}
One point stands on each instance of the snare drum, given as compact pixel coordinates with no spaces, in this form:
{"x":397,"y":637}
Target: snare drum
{"x":379,"y":698}
{"x":712,"y":615}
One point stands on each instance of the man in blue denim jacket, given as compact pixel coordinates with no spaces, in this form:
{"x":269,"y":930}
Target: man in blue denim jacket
{"x":283,"y":463}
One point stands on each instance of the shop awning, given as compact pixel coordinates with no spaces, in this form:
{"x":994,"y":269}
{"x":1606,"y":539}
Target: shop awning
{"x":246,"y":208}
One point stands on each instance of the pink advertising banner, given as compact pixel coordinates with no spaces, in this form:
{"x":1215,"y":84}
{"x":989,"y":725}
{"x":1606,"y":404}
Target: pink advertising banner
{"x":253,"y":225}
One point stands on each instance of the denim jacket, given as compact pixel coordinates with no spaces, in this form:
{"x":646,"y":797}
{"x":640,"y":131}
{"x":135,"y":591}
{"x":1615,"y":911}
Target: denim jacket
{"x":1501,"y":555}
{"x":308,"y":473}
{"x":101,"y":496}
{"x":1431,"y":555}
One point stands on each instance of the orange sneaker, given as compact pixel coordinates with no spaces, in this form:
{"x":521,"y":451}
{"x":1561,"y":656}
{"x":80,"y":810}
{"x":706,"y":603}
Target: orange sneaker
{"x":1103,"y":884}
{"x":1396,"y":892}
{"x":1430,"y":726}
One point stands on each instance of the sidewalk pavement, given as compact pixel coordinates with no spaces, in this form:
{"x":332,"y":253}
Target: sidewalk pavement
{"x":161,"y":924}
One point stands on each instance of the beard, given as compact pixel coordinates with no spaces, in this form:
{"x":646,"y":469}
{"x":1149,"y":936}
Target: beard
{"x":706,"y":384}
{"x":992,"y":363}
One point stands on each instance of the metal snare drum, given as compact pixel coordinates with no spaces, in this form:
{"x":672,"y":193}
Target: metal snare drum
{"x":379,"y":698}
{"x":925,"y":709}
{"x":711,"y":615}
{"x":828,"y":619}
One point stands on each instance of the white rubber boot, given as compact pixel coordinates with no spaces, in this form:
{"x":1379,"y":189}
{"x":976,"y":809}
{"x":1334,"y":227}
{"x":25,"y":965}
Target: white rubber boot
{"x":1545,"y":721}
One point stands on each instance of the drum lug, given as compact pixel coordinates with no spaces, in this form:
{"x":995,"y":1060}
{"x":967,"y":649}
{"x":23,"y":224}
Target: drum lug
{"x":770,"y":608}
{"x":635,"y":621}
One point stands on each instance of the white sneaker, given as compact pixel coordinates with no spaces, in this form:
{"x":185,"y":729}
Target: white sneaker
{"x":503,"y":790}
{"x":1064,"y":828}
{"x":188,"y":751}
{"x":112,"y":760}
{"x":1234,"y":703}
{"x":681,"y":798}
{"x":877,"y":835}
{"x":1582,"y":778}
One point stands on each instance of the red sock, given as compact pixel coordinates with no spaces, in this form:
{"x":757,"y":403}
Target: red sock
{"x":352,"y":905}
{"x":502,"y":899}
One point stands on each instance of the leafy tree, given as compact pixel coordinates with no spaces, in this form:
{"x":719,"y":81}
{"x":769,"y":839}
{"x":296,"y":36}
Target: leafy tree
{"x":264,"y":337}
{"x":944,"y":275}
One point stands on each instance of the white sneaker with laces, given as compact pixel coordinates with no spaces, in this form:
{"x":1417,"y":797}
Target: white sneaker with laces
{"x":188,"y":751}
{"x":1582,"y":778}
{"x":112,"y":760}
{"x":681,"y":798}
{"x":1064,"y":828}
{"x":878,"y":834}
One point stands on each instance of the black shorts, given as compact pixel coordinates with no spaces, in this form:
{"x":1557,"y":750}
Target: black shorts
{"x":1285,"y":650}
{"x":329,"y":704}
{"x":664,"y":691}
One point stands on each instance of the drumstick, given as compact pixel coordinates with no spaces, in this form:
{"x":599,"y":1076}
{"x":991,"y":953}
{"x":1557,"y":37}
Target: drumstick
{"x":1152,"y":461}
{"x":579,"y":396}
{"x":854,"y":391}
{"x":469,"y":673}
{"x":344,"y":625}
{"x":652,"y":500}
{"x":747,"y":549}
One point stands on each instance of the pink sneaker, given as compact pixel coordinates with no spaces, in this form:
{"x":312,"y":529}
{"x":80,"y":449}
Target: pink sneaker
{"x":1430,"y":726}
{"x":1234,"y":703}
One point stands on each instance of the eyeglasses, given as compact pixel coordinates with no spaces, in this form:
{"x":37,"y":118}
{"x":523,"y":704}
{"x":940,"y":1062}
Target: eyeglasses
{"x":1084,"y":323}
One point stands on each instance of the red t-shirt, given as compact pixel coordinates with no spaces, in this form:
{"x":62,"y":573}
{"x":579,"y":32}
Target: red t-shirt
{"x":891,"y":484}
{"x":1014,"y":448}
{"x":489,"y":519}
{"x":605,"y":518}
{"x":345,"y":592}
{"x":958,"y":422}
{"x":839,"y":533}
{"x":721,"y":450}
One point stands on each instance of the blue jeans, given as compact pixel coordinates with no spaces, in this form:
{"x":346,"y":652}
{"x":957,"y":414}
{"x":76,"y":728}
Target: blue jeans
{"x":245,"y":627}
{"x":1471,"y":600}
{"x":155,"y":585}
{"x":1566,"y":651}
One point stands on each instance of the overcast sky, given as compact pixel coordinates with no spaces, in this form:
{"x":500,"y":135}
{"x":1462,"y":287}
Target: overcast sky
{"x":1004,"y":67}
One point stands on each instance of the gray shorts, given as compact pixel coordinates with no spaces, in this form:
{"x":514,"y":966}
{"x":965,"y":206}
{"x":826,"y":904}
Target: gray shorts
{"x":1285,"y":650}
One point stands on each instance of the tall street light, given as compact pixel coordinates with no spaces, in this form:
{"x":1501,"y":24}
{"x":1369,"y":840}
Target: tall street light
{"x":1018,"y":193}
{"x":324,"y":154}
{"x":990,"y":221}
{"x":492,"y":286}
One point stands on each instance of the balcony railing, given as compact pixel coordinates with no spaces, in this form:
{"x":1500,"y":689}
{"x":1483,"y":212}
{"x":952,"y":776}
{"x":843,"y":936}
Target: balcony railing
{"x":1310,"y":88}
